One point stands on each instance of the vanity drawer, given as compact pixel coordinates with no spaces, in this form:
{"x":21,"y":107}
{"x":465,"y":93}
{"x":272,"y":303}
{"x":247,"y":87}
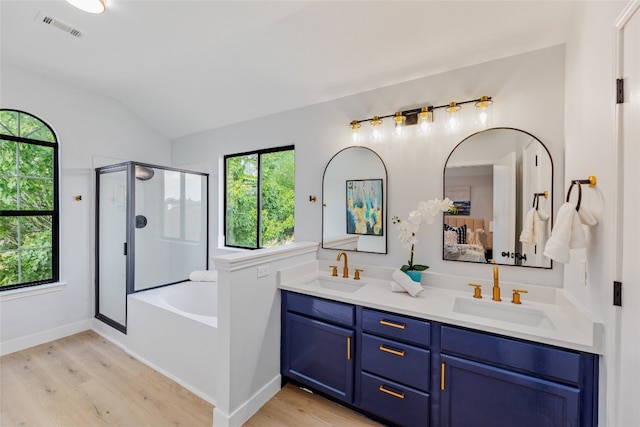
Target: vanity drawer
{"x":550,"y":362}
{"x":392,"y":401}
{"x":397,"y":327}
{"x":332,"y":311}
{"x":396,"y":361}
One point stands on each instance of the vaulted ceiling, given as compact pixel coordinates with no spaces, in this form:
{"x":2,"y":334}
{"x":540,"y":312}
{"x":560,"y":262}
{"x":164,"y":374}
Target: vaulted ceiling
{"x":187,"y":66}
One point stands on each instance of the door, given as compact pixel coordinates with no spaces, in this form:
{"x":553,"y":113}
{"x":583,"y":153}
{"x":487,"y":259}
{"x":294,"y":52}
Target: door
{"x":628,"y":268}
{"x":479,"y":395}
{"x":111,"y":278}
{"x":320,"y":355}
{"x":504,"y":209}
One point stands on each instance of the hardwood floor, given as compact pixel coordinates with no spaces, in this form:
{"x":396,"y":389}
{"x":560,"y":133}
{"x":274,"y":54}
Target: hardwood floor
{"x":84,"y":380}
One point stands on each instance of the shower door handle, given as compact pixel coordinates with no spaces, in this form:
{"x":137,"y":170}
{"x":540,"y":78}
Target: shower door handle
{"x":124,"y":248}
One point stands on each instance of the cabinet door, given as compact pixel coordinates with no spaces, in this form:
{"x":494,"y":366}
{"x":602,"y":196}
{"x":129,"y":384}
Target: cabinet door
{"x":480,"y":395}
{"x":320,"y":355}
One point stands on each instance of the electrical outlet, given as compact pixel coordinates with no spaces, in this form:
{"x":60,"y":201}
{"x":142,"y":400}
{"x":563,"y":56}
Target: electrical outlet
{"x":263,"y":270}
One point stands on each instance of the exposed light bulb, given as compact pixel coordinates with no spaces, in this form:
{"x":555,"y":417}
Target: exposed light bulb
{"x":355,"y":132}
{"x":425,"y":118}
{"x":91,"y":6}
{"x":376,"y":129}
{"x":399,"y":127}
{"x":484,"y":114}
{"x":453,"y":119}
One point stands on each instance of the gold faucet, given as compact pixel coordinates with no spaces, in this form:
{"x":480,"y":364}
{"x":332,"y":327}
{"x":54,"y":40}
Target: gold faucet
{"x":345,"y":269}
{"x":496,"y":285}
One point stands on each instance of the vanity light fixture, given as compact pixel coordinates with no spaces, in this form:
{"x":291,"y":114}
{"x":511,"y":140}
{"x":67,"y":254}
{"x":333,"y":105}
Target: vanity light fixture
{"x":485,"y":111}
{"x":425,"y":118}
{"x":376,"y":129}
{"x":91,"y":6}
{"x":355,"y":132}
{"x":399,"y":125}
{"x":453,"y":119}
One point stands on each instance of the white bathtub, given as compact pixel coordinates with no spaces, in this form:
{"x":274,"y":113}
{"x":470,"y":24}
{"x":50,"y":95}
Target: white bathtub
{"x":174,"y":330}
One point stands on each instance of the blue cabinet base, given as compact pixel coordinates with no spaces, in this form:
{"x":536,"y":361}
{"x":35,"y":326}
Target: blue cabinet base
{"x":412,"y":372}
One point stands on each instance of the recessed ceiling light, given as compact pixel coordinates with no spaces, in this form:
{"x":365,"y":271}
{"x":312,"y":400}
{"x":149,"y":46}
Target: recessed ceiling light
{"x":91,"y":6}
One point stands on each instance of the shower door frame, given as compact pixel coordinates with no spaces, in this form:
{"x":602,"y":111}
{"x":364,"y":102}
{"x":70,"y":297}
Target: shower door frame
{"x":129,"y":244}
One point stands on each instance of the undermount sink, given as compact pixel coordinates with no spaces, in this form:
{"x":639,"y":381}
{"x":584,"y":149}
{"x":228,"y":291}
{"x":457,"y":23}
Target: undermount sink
{"x":336,"y":284}
{"x":503,"y":311}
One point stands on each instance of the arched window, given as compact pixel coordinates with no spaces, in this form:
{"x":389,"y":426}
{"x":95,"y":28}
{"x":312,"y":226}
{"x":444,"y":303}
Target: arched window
{"x":28,"y":201}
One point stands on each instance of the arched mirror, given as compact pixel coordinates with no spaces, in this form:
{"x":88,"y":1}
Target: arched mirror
{"x":501,"y":181}
{"x":354,"y":194}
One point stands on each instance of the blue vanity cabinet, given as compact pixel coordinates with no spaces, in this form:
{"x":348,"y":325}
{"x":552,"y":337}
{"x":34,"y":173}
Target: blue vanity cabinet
{"x":395,"y":359}
{"x":493,"y":381}
{"x":318,"y":341}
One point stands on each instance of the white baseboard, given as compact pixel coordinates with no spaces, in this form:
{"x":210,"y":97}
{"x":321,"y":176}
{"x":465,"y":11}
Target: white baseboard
{"x":248,"y":408}
{"x":11,"y":346}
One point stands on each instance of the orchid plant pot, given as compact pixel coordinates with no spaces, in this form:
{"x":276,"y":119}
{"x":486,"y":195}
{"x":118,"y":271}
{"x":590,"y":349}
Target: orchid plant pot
{"x":414,"y":274}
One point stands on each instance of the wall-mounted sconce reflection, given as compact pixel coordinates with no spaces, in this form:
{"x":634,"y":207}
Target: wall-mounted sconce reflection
{"x":424,"y":118}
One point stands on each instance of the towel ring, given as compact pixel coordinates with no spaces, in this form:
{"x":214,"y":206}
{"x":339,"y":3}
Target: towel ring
{"x":579,"y":193}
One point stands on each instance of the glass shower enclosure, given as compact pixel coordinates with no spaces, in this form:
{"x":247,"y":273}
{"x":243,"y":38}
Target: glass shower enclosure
{"x":151,"y":231}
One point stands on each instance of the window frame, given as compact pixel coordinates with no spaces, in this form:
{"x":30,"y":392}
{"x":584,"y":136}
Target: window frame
{"x":259,"y":153}
{"x":54,"y":213}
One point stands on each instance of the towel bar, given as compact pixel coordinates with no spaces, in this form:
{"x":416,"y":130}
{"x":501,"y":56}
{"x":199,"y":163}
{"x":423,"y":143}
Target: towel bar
{"x":592,"y":183}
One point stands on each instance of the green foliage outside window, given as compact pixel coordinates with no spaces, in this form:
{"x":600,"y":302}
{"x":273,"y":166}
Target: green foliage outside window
{"x":271,"y":205}
{"x":27,"y":205}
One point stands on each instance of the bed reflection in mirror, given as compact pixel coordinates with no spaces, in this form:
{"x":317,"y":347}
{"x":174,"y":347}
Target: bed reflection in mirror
{"x":501,"y":181}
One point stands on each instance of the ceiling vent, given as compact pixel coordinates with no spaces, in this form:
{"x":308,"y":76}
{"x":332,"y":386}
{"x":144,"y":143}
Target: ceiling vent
{"x":56,"y":23}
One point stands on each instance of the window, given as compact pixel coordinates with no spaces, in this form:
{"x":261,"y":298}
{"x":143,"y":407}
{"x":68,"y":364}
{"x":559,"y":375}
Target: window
{"x":28,"y":201}
{"x":259,"y":198}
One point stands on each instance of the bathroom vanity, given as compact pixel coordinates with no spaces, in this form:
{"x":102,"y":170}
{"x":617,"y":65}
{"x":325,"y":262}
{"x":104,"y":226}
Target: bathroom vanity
{"x":356,"y":344}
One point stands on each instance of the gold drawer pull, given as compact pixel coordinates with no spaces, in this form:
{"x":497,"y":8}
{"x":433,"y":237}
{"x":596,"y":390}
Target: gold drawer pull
{"x":392,"y":393}
{"x":348,"y":348}
{"x":392,"y":351}
{"x":393,"y":325}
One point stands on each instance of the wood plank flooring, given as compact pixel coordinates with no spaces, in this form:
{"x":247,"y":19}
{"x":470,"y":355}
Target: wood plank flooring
{"x":84,"y":380}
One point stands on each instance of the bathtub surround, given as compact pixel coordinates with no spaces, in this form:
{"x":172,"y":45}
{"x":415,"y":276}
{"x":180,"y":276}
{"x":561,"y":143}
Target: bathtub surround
{"x":174,"y":330}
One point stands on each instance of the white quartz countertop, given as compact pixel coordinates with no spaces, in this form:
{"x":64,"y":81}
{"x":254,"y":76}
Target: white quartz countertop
{"x":566,"y":324}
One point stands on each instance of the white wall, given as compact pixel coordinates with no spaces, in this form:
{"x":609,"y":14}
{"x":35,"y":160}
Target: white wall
{"x":528,"y":90}
{"x":88,"y":127}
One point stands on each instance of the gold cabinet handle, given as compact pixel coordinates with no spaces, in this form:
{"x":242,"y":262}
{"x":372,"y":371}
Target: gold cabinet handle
{"x":348,"y":348}
{"x":392,"y":351}
{"x":393,"y":325}
{"x":442,"y":376}
{"x":392,"y":393}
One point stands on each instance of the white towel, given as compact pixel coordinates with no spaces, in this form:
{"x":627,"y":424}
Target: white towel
{"x":534,"y":227}
{"x":404,"y":281}
{"x":528,"y":228}
{"x":586,"y":216}
{"x":566,"y":234}
{"x":204,"y":276}
{"x":395,"y":287}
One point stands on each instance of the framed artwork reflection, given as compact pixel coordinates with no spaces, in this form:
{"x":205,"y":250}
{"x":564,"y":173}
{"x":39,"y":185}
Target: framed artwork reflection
{"x":364,"y":207}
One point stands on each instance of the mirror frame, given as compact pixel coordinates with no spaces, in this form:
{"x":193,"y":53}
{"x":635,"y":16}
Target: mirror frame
{"x":384,"y":200}
{"x":552,"y":192}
